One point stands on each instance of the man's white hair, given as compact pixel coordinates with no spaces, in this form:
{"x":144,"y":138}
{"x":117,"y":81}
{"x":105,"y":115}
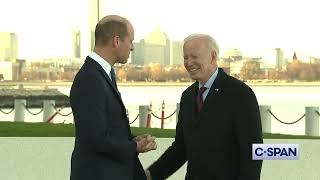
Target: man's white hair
{"x":212,"y":44}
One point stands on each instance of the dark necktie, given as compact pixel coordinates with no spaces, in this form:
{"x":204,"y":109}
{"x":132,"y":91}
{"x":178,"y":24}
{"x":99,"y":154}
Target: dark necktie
{"x":200,"y":99}
{"x":113,"y":78}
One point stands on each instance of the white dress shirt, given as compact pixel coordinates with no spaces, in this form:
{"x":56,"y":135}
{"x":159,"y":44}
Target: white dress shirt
{"x":208,"y":84}
{"x":103,"y":63}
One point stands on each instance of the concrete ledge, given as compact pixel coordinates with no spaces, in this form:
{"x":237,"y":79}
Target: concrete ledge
{"x":29,"y":158}
{"x":34,"y":97}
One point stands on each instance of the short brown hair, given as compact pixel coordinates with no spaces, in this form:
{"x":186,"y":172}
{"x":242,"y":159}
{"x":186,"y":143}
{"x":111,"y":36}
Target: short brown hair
{"x":107,"y":30}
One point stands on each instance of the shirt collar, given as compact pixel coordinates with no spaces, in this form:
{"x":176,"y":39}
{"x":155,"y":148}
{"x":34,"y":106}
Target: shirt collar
{"x":103,"y":63}
{"x":209,"y":83}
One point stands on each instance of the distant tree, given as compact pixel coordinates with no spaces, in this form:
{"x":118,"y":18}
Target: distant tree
{"x":276,"y":75}
{"x":156,"y":72}
{"x":152,"y":72}
{"x":298,"y":70}
{"x":122,"y":75}
{"x":251,"y":70}
{"x":293,"y":70}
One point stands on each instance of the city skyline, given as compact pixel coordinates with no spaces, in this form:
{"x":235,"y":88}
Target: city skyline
{"x":45,"y":27}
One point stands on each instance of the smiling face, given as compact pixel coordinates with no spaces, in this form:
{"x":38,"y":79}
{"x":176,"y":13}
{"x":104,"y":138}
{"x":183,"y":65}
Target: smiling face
{"x":199,"y":59}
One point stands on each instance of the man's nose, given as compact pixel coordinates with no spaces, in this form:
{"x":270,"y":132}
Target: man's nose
{"x":188,"y":63}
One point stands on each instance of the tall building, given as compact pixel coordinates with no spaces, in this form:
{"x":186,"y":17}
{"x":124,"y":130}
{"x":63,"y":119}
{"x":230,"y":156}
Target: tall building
{"x":137,"y":56}
{"x":76,"y":43}
{"x":273,"y":58}
{"x":6,"y":70}
{"x":17,"y":69}
{"x":8,"y":46}
{"x":177,"y":52}
{"x":280,"y":60}
{"x":236,"y":66}
{"x":232,"y":55}
{"x":95,"y":12}
{"x":154,"y":48}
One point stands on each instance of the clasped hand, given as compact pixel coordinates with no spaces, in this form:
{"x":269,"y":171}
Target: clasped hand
{"x":145,"y":143}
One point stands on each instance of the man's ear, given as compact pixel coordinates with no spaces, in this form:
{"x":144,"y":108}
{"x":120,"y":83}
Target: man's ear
{"x":213,"y":56}
{"x":116,"y":41}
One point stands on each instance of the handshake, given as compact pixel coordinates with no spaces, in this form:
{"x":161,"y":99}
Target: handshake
{"x":145,"y":143}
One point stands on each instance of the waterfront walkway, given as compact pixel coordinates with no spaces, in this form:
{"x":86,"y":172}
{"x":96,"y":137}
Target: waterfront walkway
{"x":49,"y":158}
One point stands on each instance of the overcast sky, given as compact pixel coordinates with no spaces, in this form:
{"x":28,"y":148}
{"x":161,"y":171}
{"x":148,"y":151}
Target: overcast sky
{"x":44,"y":26}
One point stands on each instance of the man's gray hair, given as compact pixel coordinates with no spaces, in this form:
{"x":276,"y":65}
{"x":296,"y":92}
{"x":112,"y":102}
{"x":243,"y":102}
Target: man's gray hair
{"x":212,"y":44}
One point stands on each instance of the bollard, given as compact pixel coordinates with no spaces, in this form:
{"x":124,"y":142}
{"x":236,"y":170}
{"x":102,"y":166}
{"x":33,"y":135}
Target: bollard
{"x":177,"y":112}
{"x":312,"y":121}
{"x":265,"y":118}
{"x":143,"y":111}
{"x":162,"y":115}
{"x":50,"y":119}
{"x":48,"y":110}
{"x":19,"y":110}
{"x":149,"y":116}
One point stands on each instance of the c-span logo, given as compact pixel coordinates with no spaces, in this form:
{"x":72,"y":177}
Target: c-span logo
{"x":275,"y":151}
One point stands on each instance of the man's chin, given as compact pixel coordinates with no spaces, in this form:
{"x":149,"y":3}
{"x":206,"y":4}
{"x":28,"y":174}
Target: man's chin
{"x":193,"y":77}
{"x":124,"y":61}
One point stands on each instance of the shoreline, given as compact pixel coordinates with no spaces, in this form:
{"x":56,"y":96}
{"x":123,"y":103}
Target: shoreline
{"x":183,"y":84}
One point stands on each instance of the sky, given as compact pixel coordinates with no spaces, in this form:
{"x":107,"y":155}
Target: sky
{"x":44,"y":26}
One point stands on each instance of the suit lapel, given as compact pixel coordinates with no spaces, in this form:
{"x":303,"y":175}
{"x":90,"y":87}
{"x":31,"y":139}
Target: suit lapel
{"x":215,"y":90}
{"x":117,"y":93}
{"x":107,"y":78}
{"x":110,"y":83}
{"x":194,"y":90}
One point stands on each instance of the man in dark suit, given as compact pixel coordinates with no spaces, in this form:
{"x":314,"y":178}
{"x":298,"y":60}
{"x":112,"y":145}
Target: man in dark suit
{"x":104,"y":147}
{"x":218,"y":122}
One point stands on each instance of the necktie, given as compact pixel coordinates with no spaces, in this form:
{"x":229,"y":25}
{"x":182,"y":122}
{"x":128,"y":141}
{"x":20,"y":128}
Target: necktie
{"x":113,"y":78}
{"x":200,"y":98}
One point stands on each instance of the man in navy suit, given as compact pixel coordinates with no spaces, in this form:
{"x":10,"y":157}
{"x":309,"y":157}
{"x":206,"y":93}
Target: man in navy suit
{"x":104,"y":147}
{"x":219,"y":120}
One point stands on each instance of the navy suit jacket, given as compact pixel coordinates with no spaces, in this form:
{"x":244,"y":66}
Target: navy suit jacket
{"x":104,"y":148}
{"x":217,"y":141}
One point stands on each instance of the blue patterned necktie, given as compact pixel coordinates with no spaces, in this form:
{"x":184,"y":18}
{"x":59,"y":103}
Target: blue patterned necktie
{"x":113,"y":78}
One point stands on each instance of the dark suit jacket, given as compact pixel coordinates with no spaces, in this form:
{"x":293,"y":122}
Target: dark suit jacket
{"x":104,"y":149}
{"x":216,"y":142}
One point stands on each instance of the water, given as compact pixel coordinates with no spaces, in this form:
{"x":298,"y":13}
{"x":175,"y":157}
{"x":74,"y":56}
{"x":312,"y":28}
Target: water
{"x":287,"y":103}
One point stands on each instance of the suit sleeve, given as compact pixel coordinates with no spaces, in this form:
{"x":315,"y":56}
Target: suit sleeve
{"x":88,"y":100}
{"x":248,"y":131}
{"x":174,"y":157}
